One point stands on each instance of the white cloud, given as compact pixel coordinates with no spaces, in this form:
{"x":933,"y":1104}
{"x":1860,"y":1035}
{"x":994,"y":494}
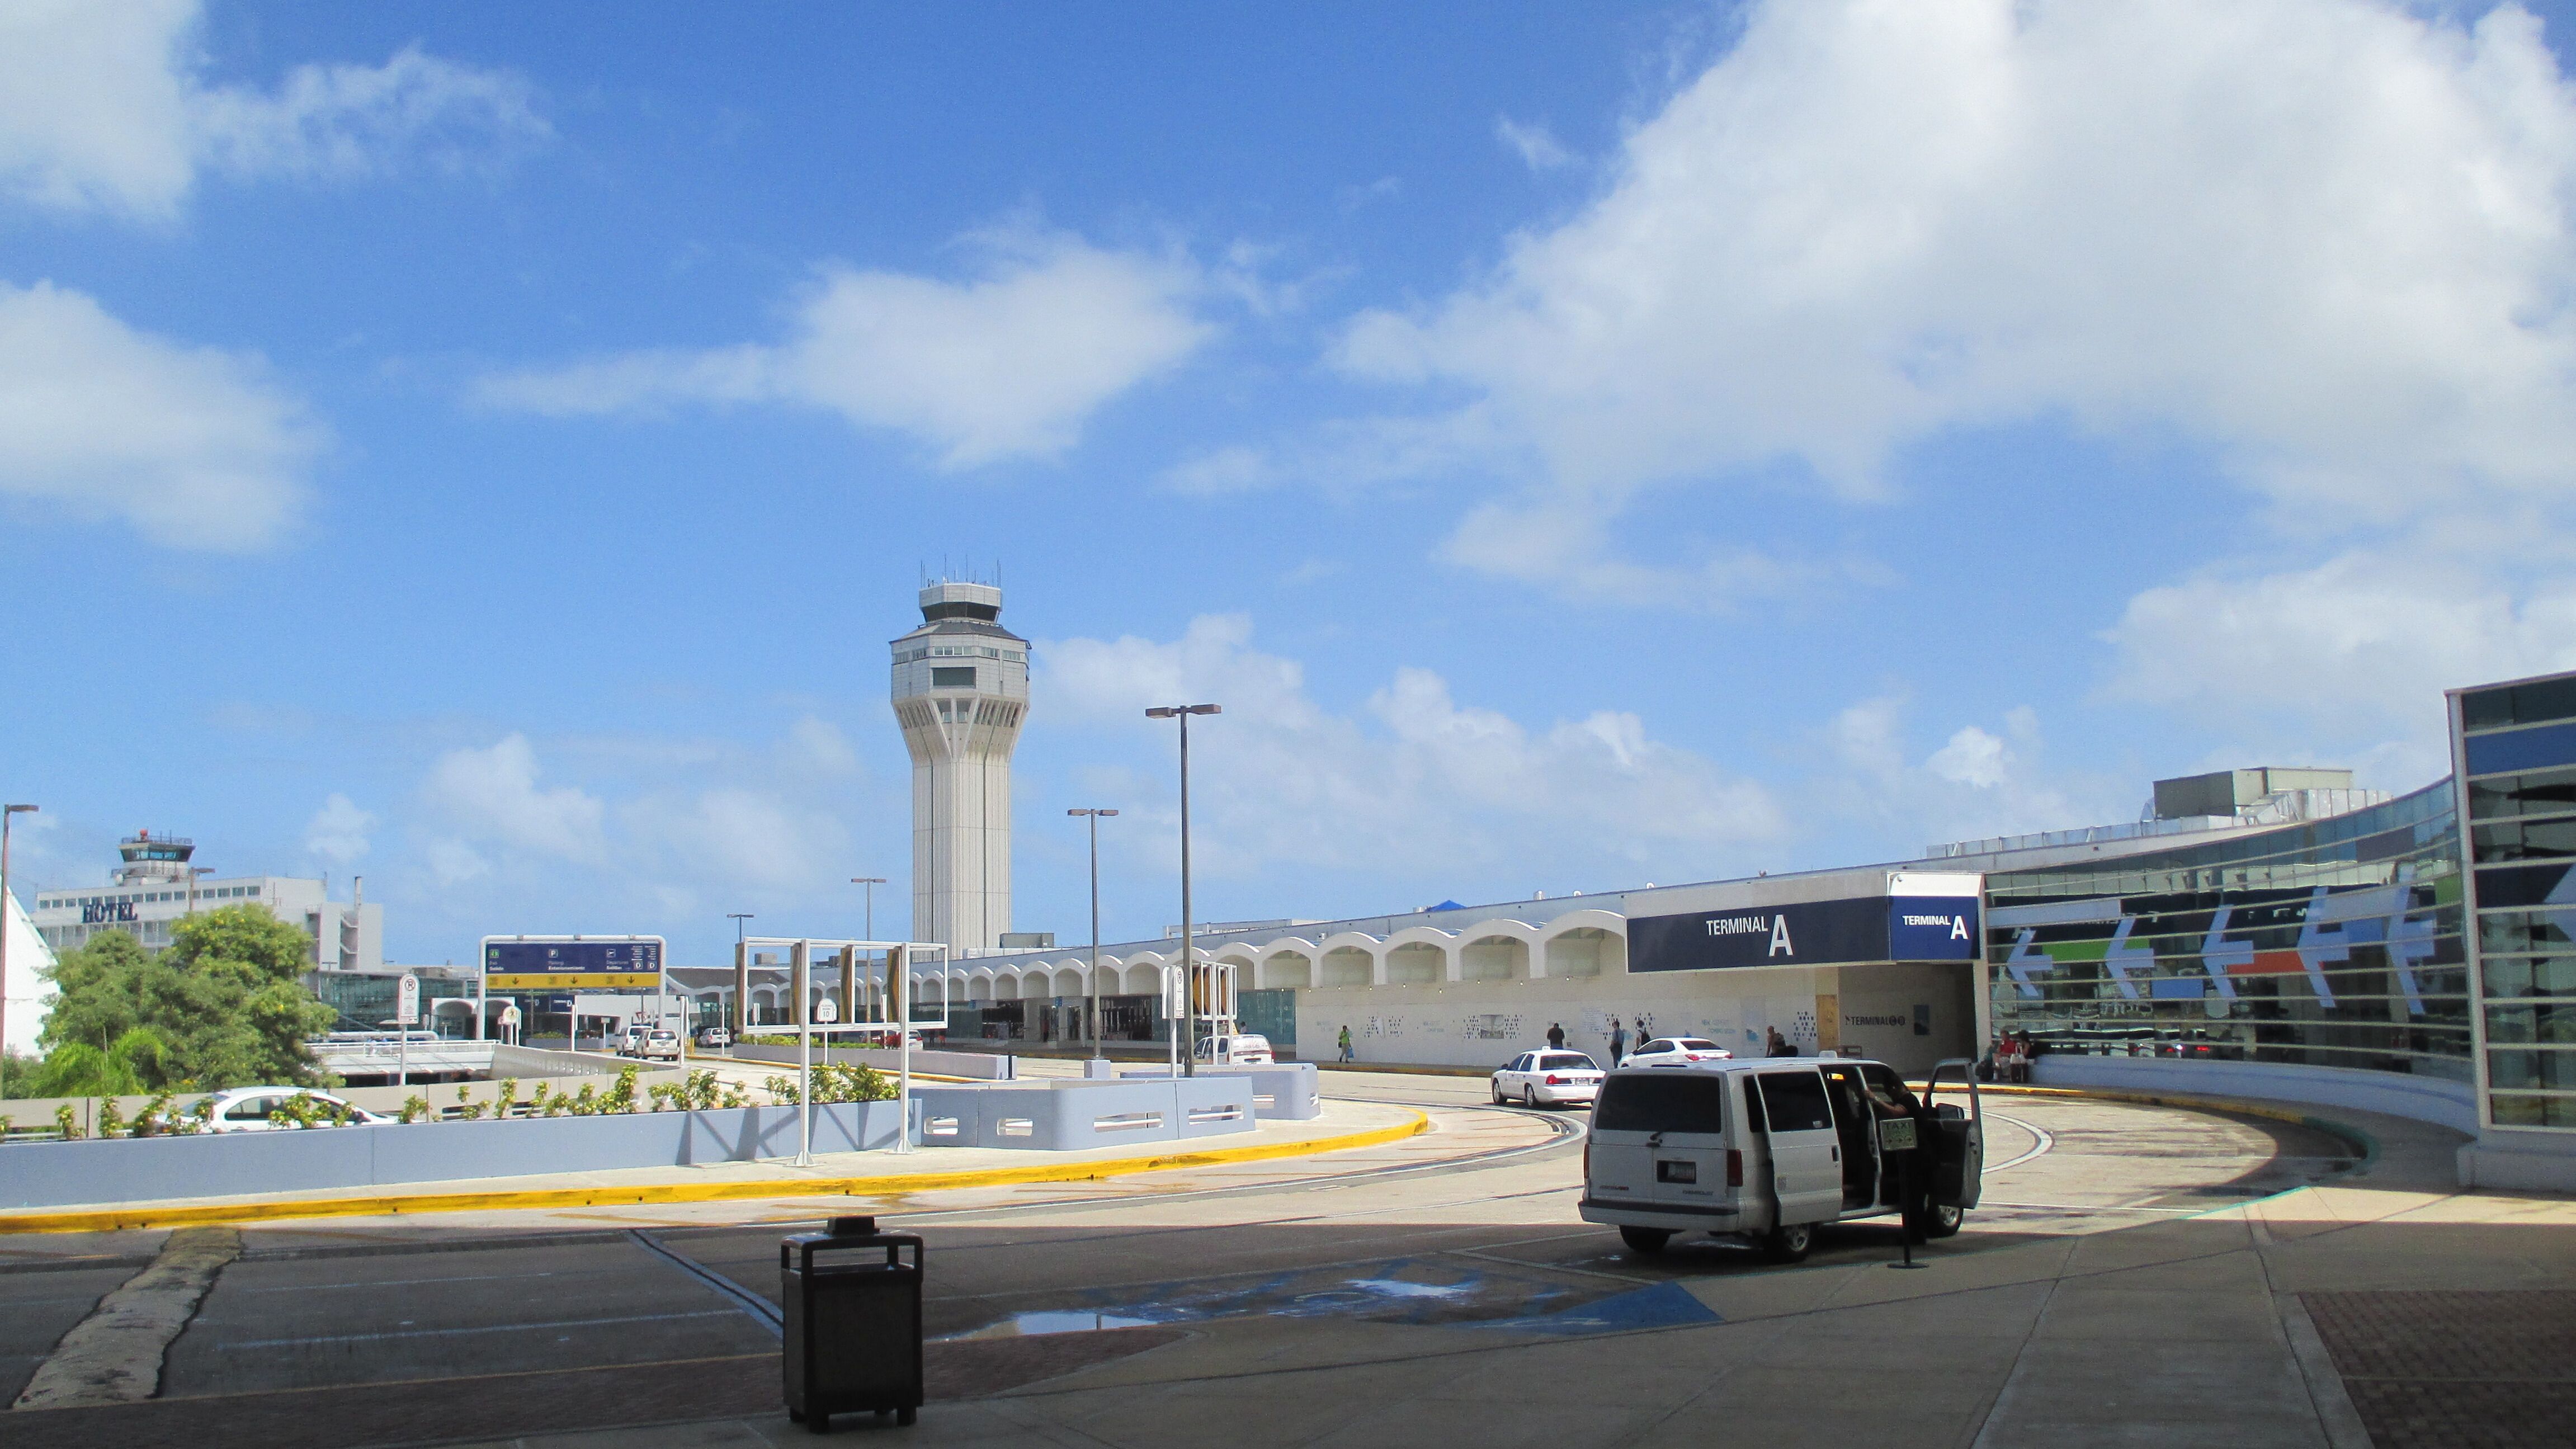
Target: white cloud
{"x":492,"y":794}
{"x":1567,"y":551}
{"x":452,"y":862}
{"x":1226,"y":470}
{"x":1009,"y":363}
{"x":1979,"y":783}
{"x":193,"y":446}
{"x":1420,"y":782}
{"x":740,"y":836}
{"x":2351,"y":655}
{"x":2327,"y":239}
{"x":1534,"y":143}
{"x":338,"y":831}
{"x":103,"y":107}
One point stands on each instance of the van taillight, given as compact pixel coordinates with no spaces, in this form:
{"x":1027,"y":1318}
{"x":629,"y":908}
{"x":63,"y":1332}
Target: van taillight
{"x":1734,"y":1168}
{"x":1587,"y":1157}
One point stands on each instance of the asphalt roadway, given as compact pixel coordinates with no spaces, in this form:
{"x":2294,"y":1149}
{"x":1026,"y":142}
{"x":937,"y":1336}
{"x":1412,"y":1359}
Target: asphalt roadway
{"x":462,"y":1328}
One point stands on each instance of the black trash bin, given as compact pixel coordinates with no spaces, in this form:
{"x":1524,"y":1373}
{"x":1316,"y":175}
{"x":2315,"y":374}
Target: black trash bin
{"x":853,"y":1327}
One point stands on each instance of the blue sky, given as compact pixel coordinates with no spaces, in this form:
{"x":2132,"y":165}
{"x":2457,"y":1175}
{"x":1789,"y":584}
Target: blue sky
{"x":488,"y":450}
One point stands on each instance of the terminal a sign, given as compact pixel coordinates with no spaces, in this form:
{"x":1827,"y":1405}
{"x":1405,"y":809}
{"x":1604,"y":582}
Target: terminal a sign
{"x":572,"y":965}
{"x":1810,"y":933}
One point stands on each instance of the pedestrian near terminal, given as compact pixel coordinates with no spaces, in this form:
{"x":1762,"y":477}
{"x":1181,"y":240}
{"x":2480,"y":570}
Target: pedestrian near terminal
{"x":1556,"y":1035}
{"x":1780,"y":1045}
{"x":1618,"y":1042}
{"x":1346,"y":1043}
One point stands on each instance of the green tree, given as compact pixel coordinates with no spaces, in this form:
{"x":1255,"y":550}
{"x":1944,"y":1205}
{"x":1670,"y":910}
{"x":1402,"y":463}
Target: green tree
{"x":224,"y":1005}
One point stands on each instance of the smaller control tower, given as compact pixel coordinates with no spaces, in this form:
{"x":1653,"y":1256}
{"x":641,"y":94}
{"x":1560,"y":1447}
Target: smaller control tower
{"x":961,"y":689}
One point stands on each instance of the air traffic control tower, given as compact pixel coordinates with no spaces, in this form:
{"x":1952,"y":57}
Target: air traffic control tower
{"x":961,"y":688}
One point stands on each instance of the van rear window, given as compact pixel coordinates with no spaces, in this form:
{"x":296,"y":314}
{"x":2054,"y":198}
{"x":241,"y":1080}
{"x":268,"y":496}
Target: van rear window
{"x":1678,"y":1102}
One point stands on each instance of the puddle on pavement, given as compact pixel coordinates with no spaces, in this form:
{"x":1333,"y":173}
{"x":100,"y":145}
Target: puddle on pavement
{"x":1403,"y":1291}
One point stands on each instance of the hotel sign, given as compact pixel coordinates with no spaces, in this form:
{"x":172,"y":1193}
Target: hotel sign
{"x":108,"y":913}
{"x":633,"y":963}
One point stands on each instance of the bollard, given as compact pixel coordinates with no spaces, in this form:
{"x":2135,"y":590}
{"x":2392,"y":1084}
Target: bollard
{"x":852,"y":1341}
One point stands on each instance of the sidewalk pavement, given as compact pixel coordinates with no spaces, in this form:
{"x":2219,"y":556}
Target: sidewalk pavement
{"x":2389,"y":1308}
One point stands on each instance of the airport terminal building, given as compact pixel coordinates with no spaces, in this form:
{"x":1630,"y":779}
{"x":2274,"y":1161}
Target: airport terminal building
{"x":2272,"y":934}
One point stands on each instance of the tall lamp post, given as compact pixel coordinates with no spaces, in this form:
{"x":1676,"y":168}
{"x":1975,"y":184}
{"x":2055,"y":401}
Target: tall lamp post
{"x":1189,"y":968}
{"x":741,"y":973}
{"x":194,"y":873}
{"x":7,"y":814}
{"x":870,"y":883}
{"x":1095,"y":817}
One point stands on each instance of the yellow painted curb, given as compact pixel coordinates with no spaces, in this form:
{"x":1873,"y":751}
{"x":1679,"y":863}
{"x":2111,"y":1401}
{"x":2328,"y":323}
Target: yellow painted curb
{"x":106,"y":1220}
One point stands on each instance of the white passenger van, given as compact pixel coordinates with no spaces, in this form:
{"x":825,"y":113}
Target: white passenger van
{"x":1766,"y":1149}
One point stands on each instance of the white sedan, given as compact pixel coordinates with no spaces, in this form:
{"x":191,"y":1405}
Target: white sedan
{"x":1675,"y":1051}
{"x":1547,"y":1079}
{"x":246,"y":1109}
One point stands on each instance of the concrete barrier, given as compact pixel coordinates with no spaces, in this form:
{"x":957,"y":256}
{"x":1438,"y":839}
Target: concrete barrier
{"x":563,"y":1072}
{"x":981,"y":1066}
{"x":1286,"y":1092}
{"x":2437,"y":1100}
{"x":1072,"y":1115}
{"x":63,"y":1174}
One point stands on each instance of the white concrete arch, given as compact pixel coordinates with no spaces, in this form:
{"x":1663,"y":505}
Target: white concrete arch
{"x":1585,"y":944}
{"x":1145,"y":978}
{"x":1036,"y":985}
{"x":1419,"y":956}
{"x":1006,"y":987}
{"x":1350,"y":958}
{"x":1069,"y":982}
{"x":1287,"y":966}
{"x":1501,"y":950}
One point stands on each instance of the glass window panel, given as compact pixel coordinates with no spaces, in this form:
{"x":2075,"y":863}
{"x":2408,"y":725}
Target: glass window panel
{"x":2516,"y":976}
{"x":2532,"y":1069}
{"x":2518,"y":704}
{"x":2524,"y":840}
{"x":2523,"y":749}
{"x":2539,"y":792}
{"x":2549,"y":1023}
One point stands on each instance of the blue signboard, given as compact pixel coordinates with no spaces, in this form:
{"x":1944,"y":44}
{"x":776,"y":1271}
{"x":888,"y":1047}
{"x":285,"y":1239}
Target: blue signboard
{"x":1809,"y":933}
{"x":556,"y":965}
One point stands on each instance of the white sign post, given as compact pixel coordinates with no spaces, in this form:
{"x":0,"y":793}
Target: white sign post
{"x":824,"y":1014}
{"x":406,"y":1011}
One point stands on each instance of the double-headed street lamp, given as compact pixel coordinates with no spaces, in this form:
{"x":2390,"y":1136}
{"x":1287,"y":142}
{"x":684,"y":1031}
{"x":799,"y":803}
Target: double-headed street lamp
{"x":1095,"y":816}
{"x":871,"y":882}
{"x":1189,"y":970}
{"x":7,"y":814}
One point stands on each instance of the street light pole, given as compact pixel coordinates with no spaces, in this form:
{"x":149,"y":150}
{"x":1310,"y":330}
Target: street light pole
{"x":194,"y":872}
{"x":1095,"y":816}
{"x":871,"y":882}
{"x":741,"y":975}
{"x":1189,"y":968}
{"x":7,"y":814}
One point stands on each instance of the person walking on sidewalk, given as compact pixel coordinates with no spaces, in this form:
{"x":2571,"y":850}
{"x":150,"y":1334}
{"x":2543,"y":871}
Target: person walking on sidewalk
{"x":1618,"y":1041}
{"x":1346,"y":1043}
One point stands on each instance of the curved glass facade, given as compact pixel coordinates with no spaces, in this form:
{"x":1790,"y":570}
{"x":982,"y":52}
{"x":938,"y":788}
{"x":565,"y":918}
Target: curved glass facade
{"x":2331,"y":943}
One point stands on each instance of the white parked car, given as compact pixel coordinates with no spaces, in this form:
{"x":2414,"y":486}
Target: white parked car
{"x":715,"y":1038}
{"x":1675,"y":1051}
{"x":660,"y":1044}
{"x":1243,"y":1049}
{"x":1548,"y":1079}
{"x":246,"y":1109}
{"x":1769,"y":1148}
